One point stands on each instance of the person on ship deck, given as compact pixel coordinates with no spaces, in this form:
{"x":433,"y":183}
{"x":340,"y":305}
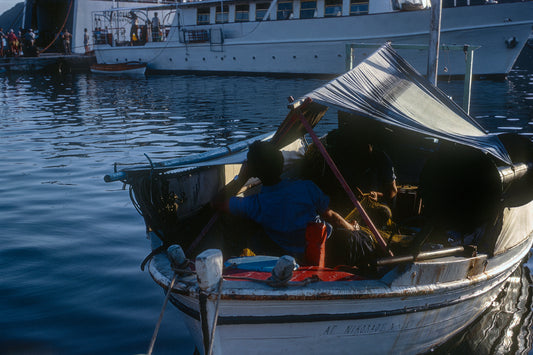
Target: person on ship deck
{"x":156,"y":28}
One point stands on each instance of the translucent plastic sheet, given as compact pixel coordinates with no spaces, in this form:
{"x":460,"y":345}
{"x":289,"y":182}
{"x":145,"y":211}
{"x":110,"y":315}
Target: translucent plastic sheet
{"x":517,"y":226}
{"x":386,"y":88}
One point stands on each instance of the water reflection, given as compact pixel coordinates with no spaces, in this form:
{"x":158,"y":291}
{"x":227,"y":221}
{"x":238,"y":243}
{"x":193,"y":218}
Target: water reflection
{"x":504,"y":328}
{"x":72,"y":243}
{"x":163,"y":115}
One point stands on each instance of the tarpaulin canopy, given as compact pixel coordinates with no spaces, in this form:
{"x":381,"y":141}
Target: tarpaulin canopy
{"x":386,"y":88}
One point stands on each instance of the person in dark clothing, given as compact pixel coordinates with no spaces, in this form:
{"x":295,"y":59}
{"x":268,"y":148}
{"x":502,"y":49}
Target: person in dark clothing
{"x":363,"y":165}
{"x":368,"y":171}
{"x":156,"y":27}
{"x":284,"y":208}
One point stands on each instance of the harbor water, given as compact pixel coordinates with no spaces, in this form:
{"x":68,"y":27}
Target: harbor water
{"x":71,"y":244}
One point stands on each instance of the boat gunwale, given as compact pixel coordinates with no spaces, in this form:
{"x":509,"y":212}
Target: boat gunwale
{"x":317,"y":291}
{"x":323,"y":317}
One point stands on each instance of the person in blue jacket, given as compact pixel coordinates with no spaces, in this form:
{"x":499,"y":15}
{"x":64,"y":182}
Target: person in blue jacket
{"x":284,"y":208}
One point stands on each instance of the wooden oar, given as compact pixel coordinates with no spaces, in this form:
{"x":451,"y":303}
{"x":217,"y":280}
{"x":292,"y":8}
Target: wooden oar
{"x":203,"y":232}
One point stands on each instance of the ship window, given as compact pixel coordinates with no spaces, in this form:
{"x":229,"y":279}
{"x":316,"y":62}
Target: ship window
{"x":308,"y":9}
{"x":222,"y":14}
{"x":202,"y":17}
{"x":242,"y":13}
{"x":261,"y":10}
{"x":195,"y":36}
{"x":333,"y":8}
{"x":358,"y":7}
{"x":284,"y":10}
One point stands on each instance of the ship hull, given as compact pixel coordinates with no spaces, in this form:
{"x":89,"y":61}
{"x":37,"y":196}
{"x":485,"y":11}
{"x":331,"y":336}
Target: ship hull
{"x":318,"y":46}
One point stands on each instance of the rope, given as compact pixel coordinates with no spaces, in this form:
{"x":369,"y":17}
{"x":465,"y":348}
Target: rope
{"x":154,"y":203}
{"x":156,"y":330}
{"x":179,"y":270}
{"x":60,"y":30}
{"x":134,"y":202}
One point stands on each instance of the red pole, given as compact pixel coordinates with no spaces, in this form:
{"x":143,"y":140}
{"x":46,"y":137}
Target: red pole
{"x":345,"y":186}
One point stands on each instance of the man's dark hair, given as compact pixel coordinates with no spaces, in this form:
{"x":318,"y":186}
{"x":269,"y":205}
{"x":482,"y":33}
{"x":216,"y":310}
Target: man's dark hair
{"x":265,"y":162}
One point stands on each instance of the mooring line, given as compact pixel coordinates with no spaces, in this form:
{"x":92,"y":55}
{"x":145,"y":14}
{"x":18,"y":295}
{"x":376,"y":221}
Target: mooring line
{"x":156,"y":330}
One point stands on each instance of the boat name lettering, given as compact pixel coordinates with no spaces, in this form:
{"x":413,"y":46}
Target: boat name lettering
{"x":366,"y":328}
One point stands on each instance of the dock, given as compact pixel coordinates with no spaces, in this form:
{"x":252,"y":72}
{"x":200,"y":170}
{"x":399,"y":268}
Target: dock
{"x":49,"y":63}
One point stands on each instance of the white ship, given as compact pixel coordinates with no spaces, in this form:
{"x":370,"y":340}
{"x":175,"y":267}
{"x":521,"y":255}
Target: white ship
{"x":308,"y":36}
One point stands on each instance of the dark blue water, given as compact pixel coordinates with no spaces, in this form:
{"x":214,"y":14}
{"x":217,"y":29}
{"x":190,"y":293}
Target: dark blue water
{"x":71,"y":245}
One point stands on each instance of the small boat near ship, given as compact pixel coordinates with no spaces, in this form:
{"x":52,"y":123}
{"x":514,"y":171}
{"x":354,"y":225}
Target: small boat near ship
{"x":464,"y":215}
{"x":129,"y":68}
{"x":308,"y":37}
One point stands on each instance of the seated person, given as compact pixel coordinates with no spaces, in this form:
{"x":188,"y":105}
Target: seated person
{"x":367,"y":170}
{"x":284,"y":208}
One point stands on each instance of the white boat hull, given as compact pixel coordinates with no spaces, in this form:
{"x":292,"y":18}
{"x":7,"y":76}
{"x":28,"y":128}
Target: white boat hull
{"x":318,"y":46}
{"x":407,"y":311}
{"x":124,"y":71}
{"x":411,"y":333}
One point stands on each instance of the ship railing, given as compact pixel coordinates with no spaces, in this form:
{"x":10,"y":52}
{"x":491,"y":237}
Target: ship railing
{"x":109,"y":35}
{"x":132,"y":26}
{"x":117,"y":36}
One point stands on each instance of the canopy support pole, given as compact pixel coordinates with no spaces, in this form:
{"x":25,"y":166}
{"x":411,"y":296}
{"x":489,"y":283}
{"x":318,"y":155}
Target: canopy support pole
{"x":434,"y":41}
{"x":349,"y":57}
{"x":467,"y":93}
{"x":343,"y":182}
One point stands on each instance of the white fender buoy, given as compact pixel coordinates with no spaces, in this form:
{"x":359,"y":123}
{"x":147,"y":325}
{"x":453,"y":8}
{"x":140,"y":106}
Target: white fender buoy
{"x":209,"y":274}
{"x":209,"y":269}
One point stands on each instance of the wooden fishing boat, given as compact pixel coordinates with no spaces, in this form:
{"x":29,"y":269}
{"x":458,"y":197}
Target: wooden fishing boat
{"x":129,"y":68}
{"x":464,"y":223}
